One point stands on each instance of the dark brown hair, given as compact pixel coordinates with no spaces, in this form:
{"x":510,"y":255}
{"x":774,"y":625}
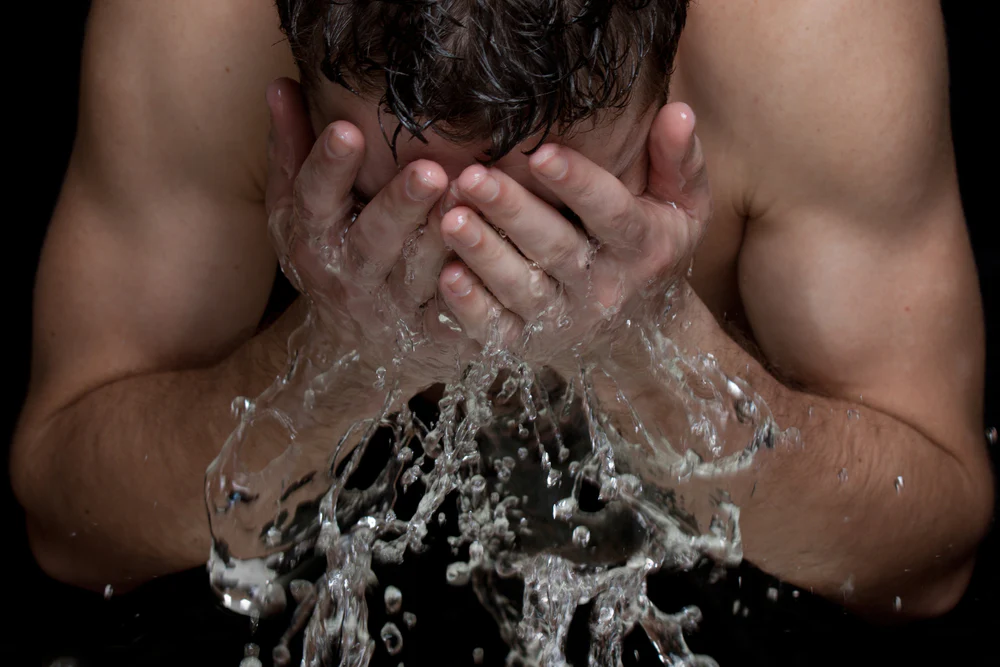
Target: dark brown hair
{"x":502,"y":70}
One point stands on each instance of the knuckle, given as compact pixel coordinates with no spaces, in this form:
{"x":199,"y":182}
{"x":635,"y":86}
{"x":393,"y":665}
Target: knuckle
{"x":571,"y":257}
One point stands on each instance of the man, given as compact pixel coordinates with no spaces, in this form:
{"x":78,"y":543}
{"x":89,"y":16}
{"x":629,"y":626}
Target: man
{"x":836,"y":245}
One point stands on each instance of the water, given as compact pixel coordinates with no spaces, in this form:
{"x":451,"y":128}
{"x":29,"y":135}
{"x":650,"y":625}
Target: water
{"x":524,"y":449}
{"x":393,"y":600}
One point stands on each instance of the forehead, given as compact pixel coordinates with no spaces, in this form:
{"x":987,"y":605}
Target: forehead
{"x":615,"y":143}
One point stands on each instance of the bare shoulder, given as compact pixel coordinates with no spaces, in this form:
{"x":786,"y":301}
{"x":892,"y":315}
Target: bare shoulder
{"x":193,"y":72}
{"x":810,"y":98}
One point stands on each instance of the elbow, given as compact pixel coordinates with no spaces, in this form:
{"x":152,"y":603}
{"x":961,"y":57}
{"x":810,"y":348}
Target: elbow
{"x":973,"y":520}
{"x":942,"y":588}
{"x":59,"y":552}
{"x":69,"y":561}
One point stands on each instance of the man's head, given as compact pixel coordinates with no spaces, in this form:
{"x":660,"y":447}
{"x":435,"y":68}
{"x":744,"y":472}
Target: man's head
{"x":486,"y":75}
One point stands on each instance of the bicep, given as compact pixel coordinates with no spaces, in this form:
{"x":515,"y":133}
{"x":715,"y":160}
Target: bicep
{"x":888,"y":318}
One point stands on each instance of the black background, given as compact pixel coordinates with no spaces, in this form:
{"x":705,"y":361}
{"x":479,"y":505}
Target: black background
{"x":178,"y":618}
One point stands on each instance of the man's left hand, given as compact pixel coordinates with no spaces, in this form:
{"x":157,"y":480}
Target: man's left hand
{"x":582,"y":285}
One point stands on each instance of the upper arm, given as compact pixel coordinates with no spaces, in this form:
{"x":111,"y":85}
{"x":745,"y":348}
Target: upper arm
{"x":157,"y":256}
{"x":856,"y":271}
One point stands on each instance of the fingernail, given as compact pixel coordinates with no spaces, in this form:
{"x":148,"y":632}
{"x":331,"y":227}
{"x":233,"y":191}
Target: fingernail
{"x":458,"y":283}
{"x":550,"y":163}
{"x":485,"y":189}
{"x":418,"y":186}
{"x":466,"y":235}
{"x":337,"y":144}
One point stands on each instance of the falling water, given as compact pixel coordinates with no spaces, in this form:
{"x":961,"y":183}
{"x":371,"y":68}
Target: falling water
{"x":520,"y":446}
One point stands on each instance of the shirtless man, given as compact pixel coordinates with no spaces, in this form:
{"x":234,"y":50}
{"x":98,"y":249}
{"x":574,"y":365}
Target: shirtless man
{"x":837,"y":245}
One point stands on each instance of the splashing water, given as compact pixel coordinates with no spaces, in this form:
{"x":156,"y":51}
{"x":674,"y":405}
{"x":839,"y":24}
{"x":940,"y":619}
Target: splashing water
{"x":523,"y":449}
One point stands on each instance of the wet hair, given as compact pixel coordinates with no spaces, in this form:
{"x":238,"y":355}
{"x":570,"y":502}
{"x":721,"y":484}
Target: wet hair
{"x":496,"y":70}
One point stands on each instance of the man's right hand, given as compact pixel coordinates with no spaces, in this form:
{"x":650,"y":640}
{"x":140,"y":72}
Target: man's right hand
{"x":370,"y":277}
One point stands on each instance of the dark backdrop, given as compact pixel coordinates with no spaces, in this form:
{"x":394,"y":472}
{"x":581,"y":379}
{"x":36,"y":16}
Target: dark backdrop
{"x":51,"y":619}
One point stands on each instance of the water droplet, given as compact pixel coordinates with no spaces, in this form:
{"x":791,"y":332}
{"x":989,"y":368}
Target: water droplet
{"x":457,"y":573}
{"x":581,"y":536}
{"x":564,"y":322}
{"x":853,"y":414}
{"x":736,"y":607}
{"x":477,"y":486}
{"x":477,"y":655}
{"x":606,"y":614}
{"x":686,"y":325}
{"x":563,"y":455}
{"x":564,"y":509}
{"x":392,"y":638}
{"x":273,"y":536}
{"x":393,"y":600}
{"x":795,"y":594}
{"x":409,"y":619}
{"x":442,"y":518}
{"x":553,"y":477}
{"x":991,"y":435}
{"x":522,"y":453}
{"x":522,"y":431}
{"x":108,"y":591}
{"x":240,"y":406}
{"x":772,"y":594}
{"x":379,"y":383}
{"x":842,"y":475}
{"x":899,"y":484}
{"x":635,"y":653}
{"x":847,"y":587}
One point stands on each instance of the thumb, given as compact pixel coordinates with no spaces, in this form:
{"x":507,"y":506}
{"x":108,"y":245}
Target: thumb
{"x":289,"y":141}
{"x":677,"y":171}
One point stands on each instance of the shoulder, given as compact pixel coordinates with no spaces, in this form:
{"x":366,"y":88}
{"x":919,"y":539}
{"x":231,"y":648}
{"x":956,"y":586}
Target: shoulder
{"x":184,"y":80}
{"x":817,"y":103}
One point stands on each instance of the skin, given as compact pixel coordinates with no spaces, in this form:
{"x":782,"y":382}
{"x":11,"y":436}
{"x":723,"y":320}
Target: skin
{"x":836,"y":251}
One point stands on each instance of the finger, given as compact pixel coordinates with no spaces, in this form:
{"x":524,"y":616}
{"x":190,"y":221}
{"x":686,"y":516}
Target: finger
{"x":480,"y":315}
{"x":677,"y":167}
{"x":520,"y":287}
{"x":605,"y":206}
{"x":413,"y":281}
{"x":322,"y":193}
{"x":289,"y":140}
{"x":374,"y":242}
{"x":540,"y":232}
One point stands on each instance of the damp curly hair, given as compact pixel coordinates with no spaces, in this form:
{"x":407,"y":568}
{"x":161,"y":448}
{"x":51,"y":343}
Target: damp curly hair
{"x":496,"y":70}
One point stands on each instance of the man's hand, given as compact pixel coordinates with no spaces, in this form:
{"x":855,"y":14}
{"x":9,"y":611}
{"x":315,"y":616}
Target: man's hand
{"x":582,"y":290}
{"x":370,"y":277}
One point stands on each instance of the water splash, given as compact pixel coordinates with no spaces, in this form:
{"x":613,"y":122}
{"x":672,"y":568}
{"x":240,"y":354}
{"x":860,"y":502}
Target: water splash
{"x":525,"y":449}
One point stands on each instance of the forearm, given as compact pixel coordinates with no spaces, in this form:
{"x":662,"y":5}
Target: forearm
{"x":866,"y":510}
{"x":114,"y":484}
